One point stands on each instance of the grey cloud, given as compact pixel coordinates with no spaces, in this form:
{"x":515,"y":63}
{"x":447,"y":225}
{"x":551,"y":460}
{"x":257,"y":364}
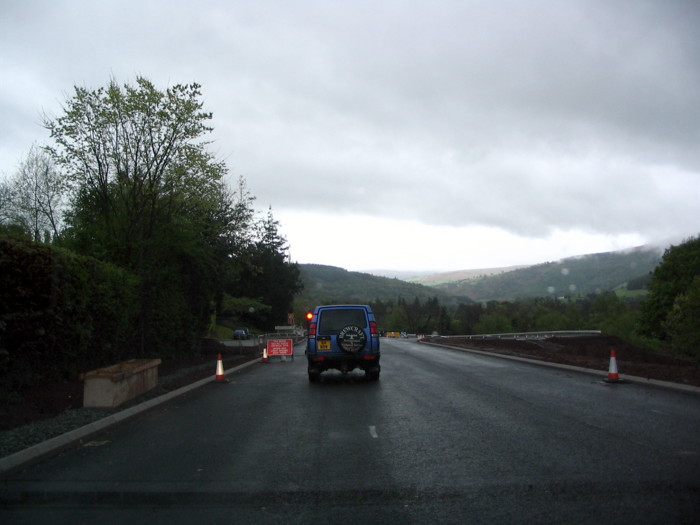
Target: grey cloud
{"x":528,"y":116}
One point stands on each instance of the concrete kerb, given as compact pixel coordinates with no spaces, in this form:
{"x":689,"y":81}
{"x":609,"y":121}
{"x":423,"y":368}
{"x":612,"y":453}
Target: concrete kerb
{"x":629,"y":379}
{"x":53,"y":446}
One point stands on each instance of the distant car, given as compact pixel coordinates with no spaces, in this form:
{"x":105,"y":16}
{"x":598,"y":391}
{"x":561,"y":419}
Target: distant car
{"x":241,"y":333}
{"x":343,"y":337}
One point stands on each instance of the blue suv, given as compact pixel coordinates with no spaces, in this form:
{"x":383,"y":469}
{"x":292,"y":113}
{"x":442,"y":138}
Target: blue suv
{"x":343,"y":337}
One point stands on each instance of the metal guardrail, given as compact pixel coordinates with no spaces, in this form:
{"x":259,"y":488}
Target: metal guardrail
{"x":525,"y":335}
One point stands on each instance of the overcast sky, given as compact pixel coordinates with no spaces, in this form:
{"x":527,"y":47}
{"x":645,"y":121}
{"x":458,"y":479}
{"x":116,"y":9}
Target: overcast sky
{"x":407,"y":135}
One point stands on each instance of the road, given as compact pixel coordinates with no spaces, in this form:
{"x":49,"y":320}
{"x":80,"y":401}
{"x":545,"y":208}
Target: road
{"x":443,"y":437}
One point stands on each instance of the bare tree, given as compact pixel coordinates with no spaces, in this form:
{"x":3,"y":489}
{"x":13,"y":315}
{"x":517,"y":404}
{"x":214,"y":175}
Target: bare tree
{"x":6,"y":203}
{"x":35,"y":196}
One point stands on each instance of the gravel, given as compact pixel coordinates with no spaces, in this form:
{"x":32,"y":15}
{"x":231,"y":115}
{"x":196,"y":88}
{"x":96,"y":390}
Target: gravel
{"x":17,"y":439}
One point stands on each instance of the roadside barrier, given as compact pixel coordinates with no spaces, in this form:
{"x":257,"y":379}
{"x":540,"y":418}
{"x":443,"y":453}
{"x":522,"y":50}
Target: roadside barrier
{"x":113,"y":385}
{"x":521,"y":335}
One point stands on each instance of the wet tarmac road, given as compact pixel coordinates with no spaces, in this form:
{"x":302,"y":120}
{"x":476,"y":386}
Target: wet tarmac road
{"x":442,"y":437}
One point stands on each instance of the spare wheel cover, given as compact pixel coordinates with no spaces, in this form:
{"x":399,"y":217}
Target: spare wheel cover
{"x":352,"y":338}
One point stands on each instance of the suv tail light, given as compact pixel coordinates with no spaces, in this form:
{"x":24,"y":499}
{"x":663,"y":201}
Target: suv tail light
{"x":373,"y":329}
{"x":312,"y":329}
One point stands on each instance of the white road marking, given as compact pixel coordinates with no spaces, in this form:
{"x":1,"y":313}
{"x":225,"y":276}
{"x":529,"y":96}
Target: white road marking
{"x":373,"y":431}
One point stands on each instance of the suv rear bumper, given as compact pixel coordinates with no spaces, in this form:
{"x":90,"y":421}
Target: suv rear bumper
{"x":343,"y":362}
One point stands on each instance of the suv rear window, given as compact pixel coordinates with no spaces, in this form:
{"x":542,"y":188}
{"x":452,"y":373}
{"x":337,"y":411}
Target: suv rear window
{"x":333,"y":321}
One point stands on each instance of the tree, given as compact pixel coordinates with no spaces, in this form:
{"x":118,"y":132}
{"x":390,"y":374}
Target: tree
{"x":267,"y":275}
{"x":682,"y":321}
{"x":673,"y":277}
{"x":34,"y":196}
{"x":147,"y":195}
{"x":467,"y":316}
{"x":396,"y":318}
{"x":444,"y":324}
{"x":135,"y":160}
{"x":9,"y":222}
{"x":414,"y":315}
{"x":493,"y":323}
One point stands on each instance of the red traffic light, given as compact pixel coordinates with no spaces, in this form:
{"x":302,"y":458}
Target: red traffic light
{"x":309,"y":316}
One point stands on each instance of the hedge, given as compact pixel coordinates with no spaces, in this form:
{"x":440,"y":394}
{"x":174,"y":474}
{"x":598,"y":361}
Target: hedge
{"x":61,"y":314}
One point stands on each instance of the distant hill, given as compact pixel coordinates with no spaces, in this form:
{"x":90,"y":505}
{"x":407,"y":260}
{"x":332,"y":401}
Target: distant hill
{"x":404,"y":275}
{"x":330,"y":284}
{"x":572,"y":276}
{"x":461,"y":275}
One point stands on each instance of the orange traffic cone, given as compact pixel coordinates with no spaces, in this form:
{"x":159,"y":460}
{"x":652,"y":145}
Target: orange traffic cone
{"x":219,"y":369}
{"x":613,"y":376}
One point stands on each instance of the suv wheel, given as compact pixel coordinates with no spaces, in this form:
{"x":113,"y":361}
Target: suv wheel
{"x":314,"y":376}
{"x":373,"y":375}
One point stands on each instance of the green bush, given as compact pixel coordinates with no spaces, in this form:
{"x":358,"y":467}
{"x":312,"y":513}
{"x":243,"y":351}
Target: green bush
{"x":60,"y":314}
{"x":682,"y":321}
{"x":672,"y":278}
{"x":493,"y":323}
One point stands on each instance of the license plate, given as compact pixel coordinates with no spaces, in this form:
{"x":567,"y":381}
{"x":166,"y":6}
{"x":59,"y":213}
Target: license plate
{"x":323,"y":345}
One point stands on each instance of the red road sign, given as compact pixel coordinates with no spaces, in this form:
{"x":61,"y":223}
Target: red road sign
{"x":280,"y":347}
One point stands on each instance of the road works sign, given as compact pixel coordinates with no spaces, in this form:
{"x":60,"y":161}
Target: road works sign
{"x":280,"y":347}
